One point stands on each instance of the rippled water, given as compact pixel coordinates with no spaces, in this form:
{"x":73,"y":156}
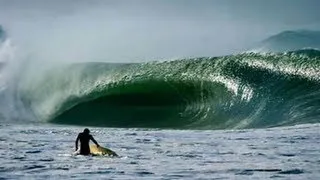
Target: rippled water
{"x":46,"y":151}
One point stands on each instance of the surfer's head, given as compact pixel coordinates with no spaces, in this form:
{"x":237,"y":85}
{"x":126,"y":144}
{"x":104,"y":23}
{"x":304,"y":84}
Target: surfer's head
{"x":86,"y":131}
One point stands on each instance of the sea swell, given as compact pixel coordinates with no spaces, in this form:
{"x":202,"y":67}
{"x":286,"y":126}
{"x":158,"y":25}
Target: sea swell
{"x":247,"y":90}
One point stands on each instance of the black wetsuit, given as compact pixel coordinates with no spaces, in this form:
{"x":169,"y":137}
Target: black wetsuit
{"x":84,"y":140}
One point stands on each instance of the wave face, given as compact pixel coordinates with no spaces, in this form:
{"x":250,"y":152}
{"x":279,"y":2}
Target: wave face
{"x":240,"y":91}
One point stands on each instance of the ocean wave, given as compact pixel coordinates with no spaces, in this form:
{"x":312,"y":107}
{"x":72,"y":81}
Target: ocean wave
{"x":248,"y":90}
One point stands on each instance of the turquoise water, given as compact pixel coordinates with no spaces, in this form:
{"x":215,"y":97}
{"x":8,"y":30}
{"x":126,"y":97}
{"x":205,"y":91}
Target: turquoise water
{"x":44,"y":151}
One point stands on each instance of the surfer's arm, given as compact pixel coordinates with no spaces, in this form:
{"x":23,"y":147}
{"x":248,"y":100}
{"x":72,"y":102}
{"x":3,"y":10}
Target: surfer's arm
{"x":78,"y":138}
{"x":93,"y":140}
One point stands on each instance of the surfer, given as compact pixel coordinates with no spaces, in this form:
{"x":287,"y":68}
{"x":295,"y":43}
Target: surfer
{"x":84,"y":138}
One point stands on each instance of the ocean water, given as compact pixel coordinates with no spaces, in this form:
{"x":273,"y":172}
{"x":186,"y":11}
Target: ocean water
{"x":249,"y":90}
{"x":45,"y":151}
{"x":242,"y":116}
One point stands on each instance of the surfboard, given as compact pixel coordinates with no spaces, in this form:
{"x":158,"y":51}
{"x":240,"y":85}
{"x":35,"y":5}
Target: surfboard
{"x":101,"y":151}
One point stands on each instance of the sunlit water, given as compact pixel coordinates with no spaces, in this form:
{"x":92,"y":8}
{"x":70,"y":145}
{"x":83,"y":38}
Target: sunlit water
{"x":46,"y":151}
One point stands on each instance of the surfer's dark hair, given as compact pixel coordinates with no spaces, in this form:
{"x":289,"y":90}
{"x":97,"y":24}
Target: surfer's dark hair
{"x":86,"y":130}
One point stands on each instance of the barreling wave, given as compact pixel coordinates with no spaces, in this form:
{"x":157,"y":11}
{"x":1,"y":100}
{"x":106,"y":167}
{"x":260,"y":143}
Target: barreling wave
{"x":247,"y":90}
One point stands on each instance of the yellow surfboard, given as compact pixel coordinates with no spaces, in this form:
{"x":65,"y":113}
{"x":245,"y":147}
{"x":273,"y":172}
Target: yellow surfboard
{"x":101,"y":151}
